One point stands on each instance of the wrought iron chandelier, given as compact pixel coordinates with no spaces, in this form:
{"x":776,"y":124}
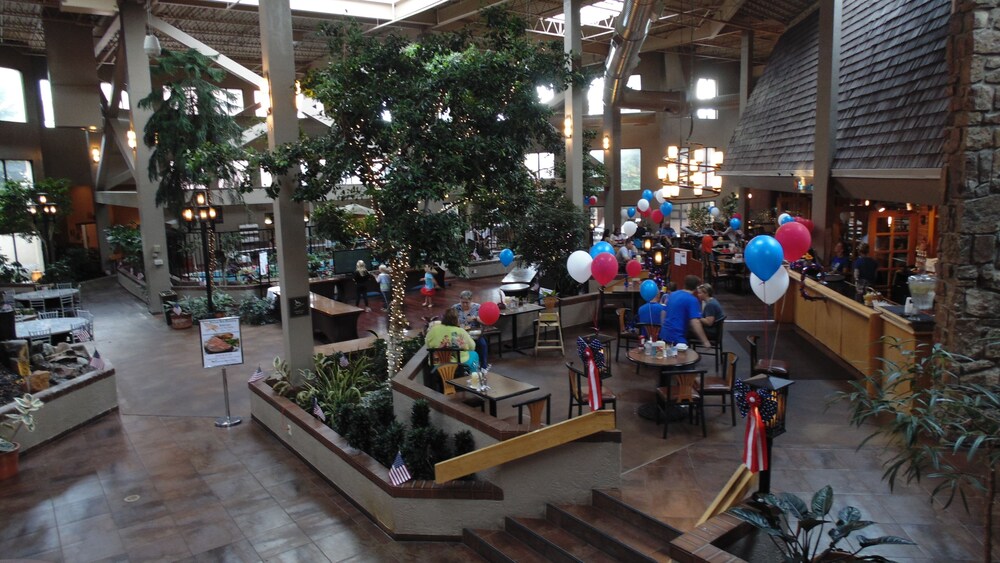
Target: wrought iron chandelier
{"x":691,"y":168}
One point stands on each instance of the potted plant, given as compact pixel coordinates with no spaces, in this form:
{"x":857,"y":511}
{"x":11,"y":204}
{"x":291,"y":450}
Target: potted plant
{"x":776,"y":514}
{"x":181,"y":315}
{"x":10,"y":450}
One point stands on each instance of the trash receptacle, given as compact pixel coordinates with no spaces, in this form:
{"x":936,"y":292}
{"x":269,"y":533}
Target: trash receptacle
{"x":168,"y":298}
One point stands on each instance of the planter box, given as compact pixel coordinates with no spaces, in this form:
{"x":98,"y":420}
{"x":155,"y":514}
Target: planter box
{"x":70,"y":405}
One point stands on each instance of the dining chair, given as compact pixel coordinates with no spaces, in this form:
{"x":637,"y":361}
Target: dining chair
{"x":535,"y":406}
{"x":579,"y":394}
{"x":445,"y":355}
{"x":68,"y":285}
{"x":627,"y":333}
{"x":490,"y":333}
{"x":686,"y":389}
{"x":722,"y":385}
{"x":549,"y":320}
{"x":41,"y":336}
{"x":50,"y":315}
{"x":37,"y":304}
{"x":770,"y":367}
{"x":66,"y":305}
{"x":716,"y":342}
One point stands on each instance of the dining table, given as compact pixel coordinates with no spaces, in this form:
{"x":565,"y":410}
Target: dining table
{"x":666,"y":367}
{"x":513,"y":313}
{"x":499,"y":387}
{"x":53,"y":327}
{"x":51,"y":297}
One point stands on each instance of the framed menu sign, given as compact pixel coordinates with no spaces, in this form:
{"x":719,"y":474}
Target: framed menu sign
{"x":220,"y":342}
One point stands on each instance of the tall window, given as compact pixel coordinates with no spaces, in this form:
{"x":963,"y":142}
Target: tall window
{"x":123,"y":102}
{"x":233,"y":103}
{"x":45,"y":93}
{"x":542,"y":165}
{"x":16,"y":170}
{"x":705,"y":89}
{"x":12,"y":96}
{"x":595,"y":94}
{"x":631,"y":160}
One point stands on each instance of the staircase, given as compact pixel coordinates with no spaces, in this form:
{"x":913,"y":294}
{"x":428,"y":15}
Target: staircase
{"x":607,"y":530}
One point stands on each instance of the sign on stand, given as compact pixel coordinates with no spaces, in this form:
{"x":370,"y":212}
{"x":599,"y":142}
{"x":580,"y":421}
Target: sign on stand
{"x":221,"y":345}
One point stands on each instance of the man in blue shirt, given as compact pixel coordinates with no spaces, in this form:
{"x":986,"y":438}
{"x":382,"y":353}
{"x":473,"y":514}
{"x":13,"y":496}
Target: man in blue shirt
{"x":683,"y":313}
{"x":651,"y":313}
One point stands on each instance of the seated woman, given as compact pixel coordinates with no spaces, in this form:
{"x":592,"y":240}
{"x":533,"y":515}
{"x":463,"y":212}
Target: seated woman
{"x":711,"y":310}
{"x":447,"y":334}
{"x":468,"y":318}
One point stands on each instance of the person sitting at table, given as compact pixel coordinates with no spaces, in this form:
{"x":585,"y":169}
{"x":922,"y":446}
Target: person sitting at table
{"x":448,"y":334}
{"x":626,"y":253}
{"x":683,"y":313}
{"x":711,"y":309}
{"x":468,"y":318}
{"x":839,"y":262}
{"x":651,"y":313}
{"x":667,"y":231}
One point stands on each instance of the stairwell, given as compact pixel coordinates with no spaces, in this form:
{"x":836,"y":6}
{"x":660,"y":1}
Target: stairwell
{"x":606,"y":530}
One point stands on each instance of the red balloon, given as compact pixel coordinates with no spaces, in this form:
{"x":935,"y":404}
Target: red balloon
{"x":737,"y":216}
{"x":707,"y":242}
{"x":489,"y":313}
{"x":808,"y":225}
{"x":593,"y":200}
{"x":604,"y":268}
{"x":656,"y":216}
{"x":794,"y":238}
{"x":633,"y":268}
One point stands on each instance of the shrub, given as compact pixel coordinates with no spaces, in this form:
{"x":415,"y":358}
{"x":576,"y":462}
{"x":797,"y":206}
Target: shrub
{"x":256,"y":311}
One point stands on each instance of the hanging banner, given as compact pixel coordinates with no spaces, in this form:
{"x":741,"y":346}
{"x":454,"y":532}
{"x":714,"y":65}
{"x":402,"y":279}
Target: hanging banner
{"x":220,"y":342}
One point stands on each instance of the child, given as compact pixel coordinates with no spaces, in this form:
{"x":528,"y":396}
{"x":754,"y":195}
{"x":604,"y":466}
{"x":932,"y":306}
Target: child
{"x":383,"y":284}
{"x":430,"y":284}
{"x":361,"y":276}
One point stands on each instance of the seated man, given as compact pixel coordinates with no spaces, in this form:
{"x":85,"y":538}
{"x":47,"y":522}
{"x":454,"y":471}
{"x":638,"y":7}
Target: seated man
{"x":683,"y":313}
{"x":447,"y":334}
{"x":626,"y":253}
{"x":651,"y":313}
{"x":711,"y":311}
{"x":468,"y":318}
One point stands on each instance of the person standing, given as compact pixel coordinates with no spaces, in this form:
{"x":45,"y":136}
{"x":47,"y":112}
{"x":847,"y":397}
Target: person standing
{"x":384,"y":282}
{"x":430,"y":284}
{"x":683,"y":313}
{"x":865,"y":268}
{"x":361,"y":276}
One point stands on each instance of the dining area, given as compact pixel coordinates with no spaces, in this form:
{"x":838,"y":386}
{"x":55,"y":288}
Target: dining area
{"x":49,"y":314}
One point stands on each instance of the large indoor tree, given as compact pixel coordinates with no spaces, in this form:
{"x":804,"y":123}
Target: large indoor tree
{"x":17,"y":220}
{"x":436,"y":130}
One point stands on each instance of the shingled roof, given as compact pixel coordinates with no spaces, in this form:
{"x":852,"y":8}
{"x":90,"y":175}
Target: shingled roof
{"x":893,"y":103}
{"x":777,"y":128}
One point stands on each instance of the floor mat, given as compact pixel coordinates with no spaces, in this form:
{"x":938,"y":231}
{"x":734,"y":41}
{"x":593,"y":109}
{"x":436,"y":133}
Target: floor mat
{"x":805,"y":359}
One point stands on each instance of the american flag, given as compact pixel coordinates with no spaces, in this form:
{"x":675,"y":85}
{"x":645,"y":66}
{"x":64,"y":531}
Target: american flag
{"x":97,"y":362}
{"x":257,"y":376}
{"x":398,"y":473}
{"x":318,"y":412}
{"x":82,"y":335}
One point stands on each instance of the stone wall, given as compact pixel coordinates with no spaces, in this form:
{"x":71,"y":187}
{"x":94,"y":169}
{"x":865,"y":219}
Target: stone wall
{"x":968,"y":294}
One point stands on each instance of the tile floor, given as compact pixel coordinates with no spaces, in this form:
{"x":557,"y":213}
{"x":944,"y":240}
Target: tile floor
{"x":157,"y":481}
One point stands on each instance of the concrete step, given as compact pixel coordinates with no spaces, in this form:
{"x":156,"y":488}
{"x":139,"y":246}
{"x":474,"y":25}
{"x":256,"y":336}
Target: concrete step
{"x":555,"y":543}
{"x":498,"y":546}
{"x":611,"y":534}
{"x":609,"y":501}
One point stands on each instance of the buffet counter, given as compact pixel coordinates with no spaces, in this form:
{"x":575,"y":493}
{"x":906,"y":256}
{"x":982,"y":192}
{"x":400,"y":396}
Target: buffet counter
{"x":847,"y":328}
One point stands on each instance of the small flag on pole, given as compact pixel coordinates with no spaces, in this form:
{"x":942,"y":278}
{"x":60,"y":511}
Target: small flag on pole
{"x":318,"y":412}
{"x":399,"y":474}
{"x":257,"y":376}
{"x":97,"y":362}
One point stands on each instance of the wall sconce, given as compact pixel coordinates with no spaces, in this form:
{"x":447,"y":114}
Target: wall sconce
{"x":95,"y":154}
{"x":607,"y":143}
{"x":909,"y":207}
{"x":130,"y":138}
{"x":306,"y":217}
{"x":269,"y":219}
{"x":568,"y":127}
{"x":867,"y":203}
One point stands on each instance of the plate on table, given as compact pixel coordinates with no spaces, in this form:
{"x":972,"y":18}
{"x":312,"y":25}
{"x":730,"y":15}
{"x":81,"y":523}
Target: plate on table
{"x":682,"y":347}
{"x":475,"y":333}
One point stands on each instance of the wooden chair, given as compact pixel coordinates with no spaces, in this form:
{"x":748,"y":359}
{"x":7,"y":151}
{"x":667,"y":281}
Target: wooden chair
{"x":625,"y":336}
{"x":716,"y":343}
{"x":579,"y":394}
{"x":722,"y":386}
{"x":770,"y":367}
{"x":437,"y":356}
{"x":535,"y":405}
{"x":549,"y":320}
{"x":685,"y":390}
{"x":447,"y":372}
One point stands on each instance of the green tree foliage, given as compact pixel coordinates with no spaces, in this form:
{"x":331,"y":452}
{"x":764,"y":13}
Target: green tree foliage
{"x":332,"y":222}
{"x":15,"y":197}
{"x":553,"y":228}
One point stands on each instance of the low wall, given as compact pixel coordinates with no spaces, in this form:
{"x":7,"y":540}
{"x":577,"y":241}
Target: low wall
{"x":133,"y":286}
{"x":69,"y":405}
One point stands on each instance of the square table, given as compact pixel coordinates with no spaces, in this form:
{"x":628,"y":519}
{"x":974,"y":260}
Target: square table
{"x":513,"y":314}
{"x":500,"y":387}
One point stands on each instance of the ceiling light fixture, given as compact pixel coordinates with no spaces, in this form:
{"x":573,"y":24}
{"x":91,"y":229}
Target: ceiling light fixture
{"x":691,"y":168}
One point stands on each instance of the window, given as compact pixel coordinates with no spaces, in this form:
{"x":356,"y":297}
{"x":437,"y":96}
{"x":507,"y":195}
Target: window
{"x":707,"y":113}
{"x":598,"y":155}
{"x":542,"y":165}
{"x":705,"y":89}
{"x":12,"y":96}
{"x":123,"y":103}
{"x":45,"y":93}
{"x":631,"y":160}
{"x":16,"y":170}
{"x":261,"y":98}
{"x":233,"y":104}
{"x":595,"y":94}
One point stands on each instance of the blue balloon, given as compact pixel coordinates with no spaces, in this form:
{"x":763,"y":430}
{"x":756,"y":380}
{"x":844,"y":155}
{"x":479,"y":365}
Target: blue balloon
{"x":648,"y":290}
{"x":647,"y":195}
{"x":506,"y":257}
{"x":763,"y":256}
{"x":601,"y":247}
{"x":786,"y":218}
{"x":666,"y":208}
{"x":631,"y":212}
{"x":735,"y":224}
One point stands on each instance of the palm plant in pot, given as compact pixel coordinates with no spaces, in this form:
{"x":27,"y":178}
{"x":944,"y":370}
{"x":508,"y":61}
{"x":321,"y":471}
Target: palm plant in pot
{"x":777,"y":514}
{"x":10,"y":450}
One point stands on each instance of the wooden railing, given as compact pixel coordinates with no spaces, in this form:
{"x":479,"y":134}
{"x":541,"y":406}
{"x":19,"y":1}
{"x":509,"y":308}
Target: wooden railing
{"x":522,"y":446}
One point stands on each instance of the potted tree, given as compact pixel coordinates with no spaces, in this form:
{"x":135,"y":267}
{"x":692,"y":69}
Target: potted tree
{"x":10,"y":450}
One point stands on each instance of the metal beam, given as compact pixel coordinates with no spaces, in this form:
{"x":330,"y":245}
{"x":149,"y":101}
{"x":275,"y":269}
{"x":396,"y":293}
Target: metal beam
{"x":113,"y":28}
{"x":225,"y":62}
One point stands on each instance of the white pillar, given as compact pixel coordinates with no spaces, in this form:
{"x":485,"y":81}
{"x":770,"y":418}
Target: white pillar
{"x":573,"y":106}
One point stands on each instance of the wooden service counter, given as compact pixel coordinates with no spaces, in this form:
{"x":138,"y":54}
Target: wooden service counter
{"x":847,"y":328}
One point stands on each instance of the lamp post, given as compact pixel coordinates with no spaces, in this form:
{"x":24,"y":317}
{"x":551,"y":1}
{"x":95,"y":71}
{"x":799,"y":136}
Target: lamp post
{"x":204,"y":214}
{"x":41,"y":206}
{"x":776,"y":425}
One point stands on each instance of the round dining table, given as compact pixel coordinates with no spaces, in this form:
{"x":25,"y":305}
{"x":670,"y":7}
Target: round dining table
{"x":666,"y":366}
{"x":51,"y":297}
{"x":53,"y":327}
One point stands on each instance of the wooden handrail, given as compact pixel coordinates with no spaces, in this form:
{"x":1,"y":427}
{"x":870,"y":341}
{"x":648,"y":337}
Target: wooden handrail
{"x":734,"y":491}
{"x":524,"y":445}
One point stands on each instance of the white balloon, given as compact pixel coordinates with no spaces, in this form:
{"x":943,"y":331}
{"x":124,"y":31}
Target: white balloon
{"x":782,"y":217}
{"x":714,"y":211}
{"x":624,"y":214}
{"x":660,"y":195}
{"x":642,"y":204}
{"x":771,"y":290}
{"x":628,"y":228}
{"x":578,"y":265}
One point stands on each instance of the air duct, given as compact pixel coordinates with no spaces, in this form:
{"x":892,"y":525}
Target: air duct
{"x":631,"y":29}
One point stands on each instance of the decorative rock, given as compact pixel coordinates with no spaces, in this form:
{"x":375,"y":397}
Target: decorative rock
{"x":982,"y":303}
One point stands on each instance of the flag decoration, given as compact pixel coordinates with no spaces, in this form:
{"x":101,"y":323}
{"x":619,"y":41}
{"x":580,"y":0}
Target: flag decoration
{"x":590,"y":367}
{"x":96,"y":361}
{"x":596,"y":348}
{"x":82,"y":334}
{"x":398,"y":473}
{"x":257,"y":376}
{"x":317,"y":411}
{"x":759,"y":407}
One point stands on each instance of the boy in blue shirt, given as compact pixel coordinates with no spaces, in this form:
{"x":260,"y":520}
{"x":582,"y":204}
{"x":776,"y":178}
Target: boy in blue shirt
{"x":683,"y":313}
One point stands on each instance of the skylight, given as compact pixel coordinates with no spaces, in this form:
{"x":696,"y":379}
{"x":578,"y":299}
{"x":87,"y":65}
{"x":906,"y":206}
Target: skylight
{"x":599,"y":14}
{"x":371,"y":9}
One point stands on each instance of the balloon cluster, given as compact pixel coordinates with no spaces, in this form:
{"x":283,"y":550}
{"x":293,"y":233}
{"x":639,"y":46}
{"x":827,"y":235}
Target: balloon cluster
{"x":764,"y":255}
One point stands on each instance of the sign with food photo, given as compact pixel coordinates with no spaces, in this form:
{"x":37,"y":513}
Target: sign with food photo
{"x":220,"y":342}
